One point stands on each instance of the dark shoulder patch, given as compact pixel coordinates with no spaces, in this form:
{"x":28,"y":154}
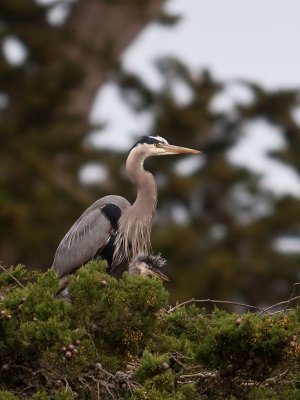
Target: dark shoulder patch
{"x":112,"y":213}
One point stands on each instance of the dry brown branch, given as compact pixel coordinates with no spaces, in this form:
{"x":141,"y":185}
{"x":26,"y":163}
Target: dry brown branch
{"x":266,"y":309}
{"x":205,"y":375}
{"x":211,"y":301}
{"x":194,"y":377}
{"x":258,"y":310}
{"x":277,"y":378}
{"x":100,"y":368}
{"x":267,"y":382}
{"x":291,"y":295}
{"x":68,"y":387}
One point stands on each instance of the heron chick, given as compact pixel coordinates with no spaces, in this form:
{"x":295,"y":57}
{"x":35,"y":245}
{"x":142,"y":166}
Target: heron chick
{"x":148,"y":265}
{"x":111,"y":228}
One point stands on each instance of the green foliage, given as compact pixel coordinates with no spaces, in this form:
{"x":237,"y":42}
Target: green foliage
{"x":37,"y":318}
{"x":249,"y":343}
{"x":135,"y":299}
{"x":5,"y":395}
{"x":40,"y":395}
{"x":120,"y":338}
{"x":271,"y":394}
{"x":150,"y":365}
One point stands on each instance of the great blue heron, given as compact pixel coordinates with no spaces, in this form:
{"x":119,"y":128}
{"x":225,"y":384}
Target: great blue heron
{"x":112,"y":228}
{"x":148,"y":265}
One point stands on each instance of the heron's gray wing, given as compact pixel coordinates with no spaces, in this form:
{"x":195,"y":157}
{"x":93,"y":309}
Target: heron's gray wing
{"x":90,"y":233}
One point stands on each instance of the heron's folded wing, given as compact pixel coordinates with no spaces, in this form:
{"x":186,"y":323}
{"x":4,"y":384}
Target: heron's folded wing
{"x":89,"y":234}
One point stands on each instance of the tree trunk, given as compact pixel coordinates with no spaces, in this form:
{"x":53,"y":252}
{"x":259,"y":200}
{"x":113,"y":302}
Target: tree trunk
{"x":104,"y":29}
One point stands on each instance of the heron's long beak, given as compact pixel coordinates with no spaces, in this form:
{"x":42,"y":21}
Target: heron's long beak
{"x":170,"y":149}
{"x":152,"y":271}
{"x":158,"y":274}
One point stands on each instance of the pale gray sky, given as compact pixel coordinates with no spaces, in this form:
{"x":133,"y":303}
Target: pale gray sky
{"x":254,"y":39}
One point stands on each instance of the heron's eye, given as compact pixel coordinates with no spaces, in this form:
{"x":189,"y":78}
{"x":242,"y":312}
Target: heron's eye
{"x":157,"y":144}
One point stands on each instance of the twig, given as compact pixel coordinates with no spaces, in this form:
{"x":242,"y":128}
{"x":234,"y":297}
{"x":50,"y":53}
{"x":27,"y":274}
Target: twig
{"x":277,"y":378}
{"x":33,"y":373}
{"x":98,"y":390}
{"x":249,"y":306}
{"x":129,"y":387}
{"x":266,"y":309}
{"x":85,"y":383}
{"x":14,"y":278}
{"x":26,"y":388}
{"x":280,"y":311}
{"x":105,"y":384}
{"x":257,"y":309}
{"x":68,"y":386}
{"x":211,"y":375}
{"x":98,"y":384}
{"x":100,"y":368}
{"x":265,"y":383}
{"x":93,"y":343}
{"x":291,"y":295}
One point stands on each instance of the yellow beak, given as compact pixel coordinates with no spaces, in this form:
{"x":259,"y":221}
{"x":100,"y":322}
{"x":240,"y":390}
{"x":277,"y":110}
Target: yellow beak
{"x":152,"y":271}
{"x":159,"y":275}
{"x":170,"y":149}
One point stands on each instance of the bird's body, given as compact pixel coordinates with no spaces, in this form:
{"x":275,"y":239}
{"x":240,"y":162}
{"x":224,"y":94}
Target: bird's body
{"x":112,"y":228}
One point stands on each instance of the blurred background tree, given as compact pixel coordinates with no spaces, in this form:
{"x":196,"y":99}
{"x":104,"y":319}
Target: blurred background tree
{"x":46,"y":94}
{"x":219,"y":227}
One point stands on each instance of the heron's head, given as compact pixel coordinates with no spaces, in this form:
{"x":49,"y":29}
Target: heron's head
{"x":157,"y":146}
{"x":148,"y":265}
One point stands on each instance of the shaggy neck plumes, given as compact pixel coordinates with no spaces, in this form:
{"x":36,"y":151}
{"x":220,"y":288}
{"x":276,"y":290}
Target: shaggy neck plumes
{"x":134,"y":231}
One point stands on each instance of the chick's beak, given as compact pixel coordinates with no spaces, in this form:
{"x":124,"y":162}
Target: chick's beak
{"x":147,"y":271}
{"x":158,"y":274}
{"x":170,"y":149}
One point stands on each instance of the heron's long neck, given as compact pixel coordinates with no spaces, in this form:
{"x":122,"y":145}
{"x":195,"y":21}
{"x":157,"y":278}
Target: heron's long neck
{"x":136,"y":222}
{"x":146,"y":187}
